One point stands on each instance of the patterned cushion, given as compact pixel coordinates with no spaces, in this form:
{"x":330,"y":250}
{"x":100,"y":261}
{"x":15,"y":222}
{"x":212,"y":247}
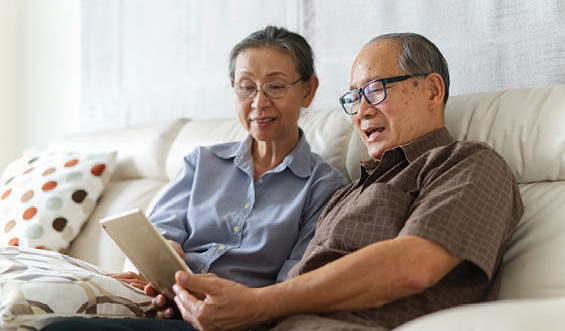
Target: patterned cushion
{"x":39,"y":286}
{"x":45,"y":197}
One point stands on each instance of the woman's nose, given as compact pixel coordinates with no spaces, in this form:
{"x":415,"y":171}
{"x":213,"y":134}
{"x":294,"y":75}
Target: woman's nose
{"x":260,"y":100}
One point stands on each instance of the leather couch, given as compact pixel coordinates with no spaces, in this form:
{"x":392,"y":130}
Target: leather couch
{"x":526,"y":126}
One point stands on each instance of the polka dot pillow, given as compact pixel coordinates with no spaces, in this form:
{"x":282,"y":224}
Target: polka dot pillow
{"x":45,"y":197}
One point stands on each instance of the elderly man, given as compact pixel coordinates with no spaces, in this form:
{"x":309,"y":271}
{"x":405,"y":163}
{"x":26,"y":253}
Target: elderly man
{"x":423,"y":229}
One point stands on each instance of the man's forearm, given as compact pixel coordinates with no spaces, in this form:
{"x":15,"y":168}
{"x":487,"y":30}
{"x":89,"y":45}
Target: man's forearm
{"x":368,"y":278}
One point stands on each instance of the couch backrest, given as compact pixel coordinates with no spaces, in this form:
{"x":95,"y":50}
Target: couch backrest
{"x":328,"y":131}
{"x":527,"y":127}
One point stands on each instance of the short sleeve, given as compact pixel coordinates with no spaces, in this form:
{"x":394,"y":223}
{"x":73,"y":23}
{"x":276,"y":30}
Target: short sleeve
{"x":468,"y":206}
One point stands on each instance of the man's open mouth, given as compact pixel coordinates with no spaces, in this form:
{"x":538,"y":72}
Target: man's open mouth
{"x":369,"y":132}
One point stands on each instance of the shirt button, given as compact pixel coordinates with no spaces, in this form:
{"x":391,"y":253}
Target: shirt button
{"x":221,"y":247}
{"x":236,"y":229}
{"x":260,"y":181}
{"x":246,"y":206}
{"x":202,"y":271}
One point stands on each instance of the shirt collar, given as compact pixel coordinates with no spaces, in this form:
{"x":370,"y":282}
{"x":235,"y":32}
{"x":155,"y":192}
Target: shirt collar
{"x":415,"y":148}
{"x":298,"y":160}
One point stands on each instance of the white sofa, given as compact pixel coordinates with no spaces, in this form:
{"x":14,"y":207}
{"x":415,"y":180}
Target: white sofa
{"x":526,"y":126}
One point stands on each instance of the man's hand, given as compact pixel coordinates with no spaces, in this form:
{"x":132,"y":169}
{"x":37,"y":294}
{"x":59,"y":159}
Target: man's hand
{"x":131,"y":278}
{"x":225,"y":305}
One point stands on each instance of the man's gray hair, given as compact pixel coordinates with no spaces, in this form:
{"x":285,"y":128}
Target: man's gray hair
{"x":419,"y":55}
{"x":280,"y":39}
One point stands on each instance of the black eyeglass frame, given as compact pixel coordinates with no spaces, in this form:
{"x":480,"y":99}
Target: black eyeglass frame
{"x":383,"y":81}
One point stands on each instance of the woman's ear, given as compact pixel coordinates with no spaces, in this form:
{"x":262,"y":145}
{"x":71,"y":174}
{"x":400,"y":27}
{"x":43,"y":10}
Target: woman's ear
{"x":310,"y":91}
{"x":436,"y":89}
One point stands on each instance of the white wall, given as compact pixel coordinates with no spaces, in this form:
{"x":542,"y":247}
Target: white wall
{"x":10,"y":65}
{"x":50,"y":74}
{"x":39,"y":73}
{"x":150,"y":60}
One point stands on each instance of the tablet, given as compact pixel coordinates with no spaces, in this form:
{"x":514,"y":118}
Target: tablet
{"x":146,"y":248}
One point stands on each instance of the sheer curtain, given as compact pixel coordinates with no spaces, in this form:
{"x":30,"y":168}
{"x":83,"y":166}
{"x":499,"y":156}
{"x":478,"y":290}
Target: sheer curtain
{"x":150,"y":60}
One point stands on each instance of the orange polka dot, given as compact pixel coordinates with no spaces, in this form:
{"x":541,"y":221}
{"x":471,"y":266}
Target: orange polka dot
{"x":6,"y":193}
{"x":49,"y":185}
{"x":29,"y":213}
{"x":98,"y":169}
{"x":48,"y":171}
{"x":40,"y":247}
{"x":71,"y":163}
{"x":14,"y":242}
{"x":28,"y":170}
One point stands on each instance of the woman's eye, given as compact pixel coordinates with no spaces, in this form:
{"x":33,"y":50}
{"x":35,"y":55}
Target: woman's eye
{"x":276,"y":85}
{"x":247,"y":87}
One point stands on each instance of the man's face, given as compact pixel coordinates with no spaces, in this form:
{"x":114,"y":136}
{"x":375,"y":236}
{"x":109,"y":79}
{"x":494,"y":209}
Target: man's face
{"x":404,"y":115}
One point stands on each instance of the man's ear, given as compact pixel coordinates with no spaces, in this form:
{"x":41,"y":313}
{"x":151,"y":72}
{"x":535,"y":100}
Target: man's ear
{"x":436,"y":89}
{"x":310,"y":91}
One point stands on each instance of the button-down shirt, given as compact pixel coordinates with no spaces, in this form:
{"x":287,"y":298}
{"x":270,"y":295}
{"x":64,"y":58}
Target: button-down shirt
{"x":248,"y":231}
{"x":461,"y":195}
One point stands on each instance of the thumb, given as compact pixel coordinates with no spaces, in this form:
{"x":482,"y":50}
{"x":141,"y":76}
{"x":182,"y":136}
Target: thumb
{"x":203,"y":284}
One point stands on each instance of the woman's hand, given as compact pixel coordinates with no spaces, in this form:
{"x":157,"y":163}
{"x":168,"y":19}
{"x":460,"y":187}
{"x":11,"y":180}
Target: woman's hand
{"x":130,"y":278}
{"x":165,"y":307}
{"x":223,"y":305}
{"x":177,"y":248}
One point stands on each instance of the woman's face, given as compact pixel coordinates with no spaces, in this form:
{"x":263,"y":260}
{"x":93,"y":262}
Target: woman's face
{"x":268,"y":119}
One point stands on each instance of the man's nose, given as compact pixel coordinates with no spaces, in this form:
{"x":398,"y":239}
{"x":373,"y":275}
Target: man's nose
{"x":366,"y":110}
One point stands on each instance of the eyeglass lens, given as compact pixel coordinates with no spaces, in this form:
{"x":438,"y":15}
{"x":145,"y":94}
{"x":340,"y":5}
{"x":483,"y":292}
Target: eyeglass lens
{"x":374,"y":92}
{"x":247,"y":90}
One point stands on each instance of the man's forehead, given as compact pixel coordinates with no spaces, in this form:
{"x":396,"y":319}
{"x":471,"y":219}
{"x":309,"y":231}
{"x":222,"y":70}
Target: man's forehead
{"x":378,"y":59}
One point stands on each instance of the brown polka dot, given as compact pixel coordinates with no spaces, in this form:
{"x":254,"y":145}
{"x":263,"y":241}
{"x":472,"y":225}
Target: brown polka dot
{"x":27,"y":196}
{"x":9,"y":226}
{"x":62,"y":250}
{"x":98,"y":169}
{"x":40,"y":247}
{"x":28,"y":170}
{"x":49,"y":171}
{"x":71,"y":163}
{"x":59,"y":224}
{"x":29,"y":213}
{"x":49,"y":185}
{"x":6,"y":193}
{"x":14,"y":242}
{"x":79,"y":195}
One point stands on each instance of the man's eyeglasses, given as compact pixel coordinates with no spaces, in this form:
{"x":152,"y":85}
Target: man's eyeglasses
{"x":374,"y":92}
{"x":246,"y":90}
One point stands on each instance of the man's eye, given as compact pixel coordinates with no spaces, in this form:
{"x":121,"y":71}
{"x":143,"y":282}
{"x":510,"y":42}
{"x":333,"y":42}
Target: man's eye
{"x":373,"y":89}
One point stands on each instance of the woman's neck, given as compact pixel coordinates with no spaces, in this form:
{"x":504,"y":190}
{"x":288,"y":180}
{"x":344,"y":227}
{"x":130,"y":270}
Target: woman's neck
{"x":269,"y":154}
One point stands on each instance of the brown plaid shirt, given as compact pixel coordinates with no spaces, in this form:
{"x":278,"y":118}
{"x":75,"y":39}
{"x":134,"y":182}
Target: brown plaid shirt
{"x":461,"y":195}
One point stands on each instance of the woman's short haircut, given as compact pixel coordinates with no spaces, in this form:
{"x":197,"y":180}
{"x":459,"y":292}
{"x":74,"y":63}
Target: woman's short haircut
{"x":280,"y":39}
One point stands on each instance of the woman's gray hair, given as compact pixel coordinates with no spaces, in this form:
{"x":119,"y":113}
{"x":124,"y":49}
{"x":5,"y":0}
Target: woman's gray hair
{"x":419,"y":55}
{"x":280,"y":39}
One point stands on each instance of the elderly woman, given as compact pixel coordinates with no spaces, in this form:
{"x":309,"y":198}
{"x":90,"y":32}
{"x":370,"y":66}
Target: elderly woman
{"x":246,"y":210}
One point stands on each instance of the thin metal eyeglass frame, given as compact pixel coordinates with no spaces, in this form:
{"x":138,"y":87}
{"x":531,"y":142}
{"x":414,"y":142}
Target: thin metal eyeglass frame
{"x":383,"y":81}
{"x":252,"y":95}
